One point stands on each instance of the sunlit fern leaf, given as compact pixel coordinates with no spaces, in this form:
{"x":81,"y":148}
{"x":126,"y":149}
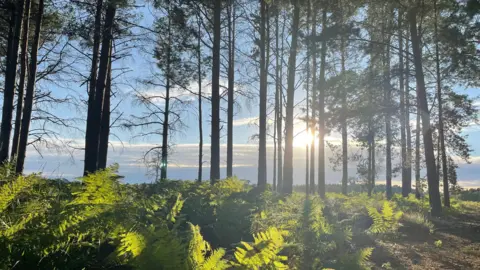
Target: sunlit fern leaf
{"x":215,"y":261}
{"x":197,"y":247}
{"x":262,"y":252}
{"x":11,"y":190}
{"x":131,"y":244}
{"x":176,"y":208}
{"x":101,"y":187}
{"x":385,"y":221}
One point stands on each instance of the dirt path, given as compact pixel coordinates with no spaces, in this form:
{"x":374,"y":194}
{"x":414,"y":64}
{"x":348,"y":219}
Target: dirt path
{"x":415,"y":248}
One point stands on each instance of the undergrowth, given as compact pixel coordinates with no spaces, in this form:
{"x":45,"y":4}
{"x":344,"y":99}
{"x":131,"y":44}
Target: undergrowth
{"x":98,"y":222}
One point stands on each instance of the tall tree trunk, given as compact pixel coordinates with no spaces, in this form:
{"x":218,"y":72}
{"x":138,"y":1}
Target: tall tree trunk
{"x":90,"y":147}
{"x":388,"y":126}
{"x":371,"y":141}
{"x":307,"y":119}
{"x":292,"y":63}
{"x":105,"y":56}
{"x":344,"y":121}
{"x":166,"y":109}
{"x":433,"y":186}
{"x":21,"y":84}
{"x":278,"y":102}
{"x":441,"y":131}
{"x":405,"y":190}
{"x":215,"y":136}
{"x":32,"y":75}
{"x":313,"y":121}
{"x":200,"y":117}
{"x":321,"y":111}
{"x":15,"y":25}
{"x":262,"y":152}
{"x":417,"y":154}
{"x":105,"y":127}
{"x":231,"y":80}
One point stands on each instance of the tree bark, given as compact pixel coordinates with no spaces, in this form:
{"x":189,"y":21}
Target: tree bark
{"x":105,"y":56}
{"x":405,"y":190}
{"x":441,"y":131}
{"x":262,"y":152}
{"x":313,"y":121}
{"x":105,"y":127}
{"x":344,"y":122}
{"x":215,"y":135}
{"x":278,"y":102}
{"x":30,"y":93}
{"x":200,"y":116}
{"x":307,"y":119}
{"x":292,"y":60}
{"x":433,"y":186}
{"x":166,"y":109}
{"x":231,"y":80}
{"x":321,"y":111}
{"x":388,"y":126}
{"x":15,"y":25}
{"x":90,"y":148}
{"x":21,"y":84}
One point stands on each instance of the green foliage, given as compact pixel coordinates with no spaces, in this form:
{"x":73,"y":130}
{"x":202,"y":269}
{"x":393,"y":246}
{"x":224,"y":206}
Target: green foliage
{"x":263,"y":252}
{"x":386,"y":220}
{"x":99,"y":222}
{"x":438,"y":243}
{"x":420,"y":220}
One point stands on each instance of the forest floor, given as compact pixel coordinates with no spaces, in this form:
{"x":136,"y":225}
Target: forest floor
{"x":454,"y":244}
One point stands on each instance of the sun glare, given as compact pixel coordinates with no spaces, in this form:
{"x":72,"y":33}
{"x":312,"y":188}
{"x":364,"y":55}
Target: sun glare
{"x":303,"y":139}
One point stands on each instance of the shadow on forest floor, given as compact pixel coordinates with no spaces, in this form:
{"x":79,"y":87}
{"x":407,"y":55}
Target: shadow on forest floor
{"x":414,"y":247}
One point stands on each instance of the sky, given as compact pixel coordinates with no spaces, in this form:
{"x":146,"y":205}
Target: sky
{"x":127,"y":149}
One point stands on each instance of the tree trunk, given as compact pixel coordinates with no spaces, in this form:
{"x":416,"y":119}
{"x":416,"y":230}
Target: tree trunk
{"x":15,"y":25}
{"x":344,"y":122}
{"x":307,"y":90}
{"x":105,"y":127}
{"x":231,"y":78}
{"x":32,"y":74}
{"x":292,"y":63}
{"x":21,"y":84}
{"x":262,"y":152}
{"x":278,"y":103}
{"x":321,"y":111}
{"x":388,"y":126}
{"x":441,"y":131}
{"x":215,"y":136}
{"x":166,"y":109}
{"x":417,"y":154}
{"x":313,"y":121}
{"x":405,"y":190}
{"x":433,"y":187}
{"x":105,"y":56}
{"x":200,"y":117}
{"x":90,"y":147}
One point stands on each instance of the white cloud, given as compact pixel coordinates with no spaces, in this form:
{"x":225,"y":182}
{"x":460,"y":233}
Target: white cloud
{"x":245,"y":121}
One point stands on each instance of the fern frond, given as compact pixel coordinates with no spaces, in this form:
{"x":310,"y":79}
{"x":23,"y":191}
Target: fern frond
{"x":131,"y":243}
{"x":9,"y":191}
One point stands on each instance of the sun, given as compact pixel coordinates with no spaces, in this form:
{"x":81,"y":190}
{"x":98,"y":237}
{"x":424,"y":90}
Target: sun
{"x":303,"y":139}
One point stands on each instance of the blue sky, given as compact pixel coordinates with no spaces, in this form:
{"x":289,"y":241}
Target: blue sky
{"x":128,"y":151}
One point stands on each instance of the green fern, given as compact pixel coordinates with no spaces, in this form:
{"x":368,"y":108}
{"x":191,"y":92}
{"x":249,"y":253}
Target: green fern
{"x":263,"y":251}
{"x":385,"y":221}
{"x":131,"y":244}
{"x":11,"y":190}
